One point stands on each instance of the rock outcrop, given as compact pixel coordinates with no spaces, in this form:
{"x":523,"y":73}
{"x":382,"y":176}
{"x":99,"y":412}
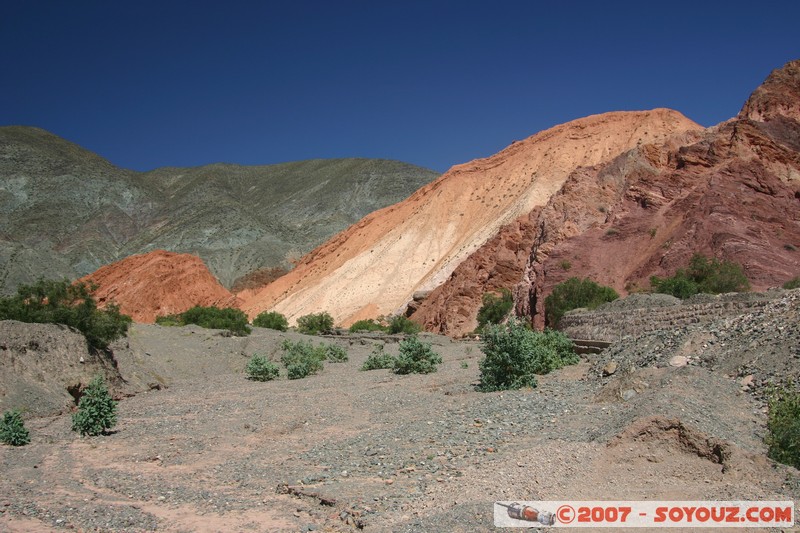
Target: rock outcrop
{"x":376,"y":265}
{"x":159,"y":283}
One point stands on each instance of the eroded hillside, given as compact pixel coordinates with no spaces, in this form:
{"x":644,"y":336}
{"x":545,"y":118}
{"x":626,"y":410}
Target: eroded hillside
{"x":376,"y":265}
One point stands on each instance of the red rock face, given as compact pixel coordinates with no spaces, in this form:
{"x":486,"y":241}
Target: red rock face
{"x":732,"y":192}
{"x":159,"y":283}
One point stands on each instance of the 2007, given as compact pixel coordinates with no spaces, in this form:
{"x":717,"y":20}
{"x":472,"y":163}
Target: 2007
{"x":603,"y":514}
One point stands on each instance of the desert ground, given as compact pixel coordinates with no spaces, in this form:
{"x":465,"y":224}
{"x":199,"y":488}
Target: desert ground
{"x":205,"y":449}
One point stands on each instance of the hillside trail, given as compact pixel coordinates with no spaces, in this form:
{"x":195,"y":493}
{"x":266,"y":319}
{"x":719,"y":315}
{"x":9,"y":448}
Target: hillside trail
{"x":348,"y":450}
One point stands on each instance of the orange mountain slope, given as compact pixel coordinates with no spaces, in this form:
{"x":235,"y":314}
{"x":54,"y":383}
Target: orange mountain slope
{"x":159,"y":283}
{"x":375,"y":266}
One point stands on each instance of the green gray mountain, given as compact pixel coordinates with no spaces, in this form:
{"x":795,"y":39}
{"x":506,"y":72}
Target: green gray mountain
{"x":65,"y":211}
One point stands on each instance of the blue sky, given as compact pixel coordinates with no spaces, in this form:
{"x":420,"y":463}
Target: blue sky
{"x":148,"y":84}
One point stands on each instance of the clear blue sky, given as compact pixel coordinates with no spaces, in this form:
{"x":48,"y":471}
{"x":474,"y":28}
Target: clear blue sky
{"x":148,"y":84}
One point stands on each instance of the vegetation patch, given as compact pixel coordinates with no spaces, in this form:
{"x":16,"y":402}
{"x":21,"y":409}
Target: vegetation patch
{"x":703,"y":275}
{"x":229,"y":319}
{"x":575,"y":294}
{"x":793,"y":283}
{"x":259,"y":368}
{"x":783,"y":426}
{"x":302,"y":358}
{"x":12,"y":429}
{"x":315,"y":323}
{"x":336,"y":354}
{"x":367,"y":325}
{"x":515,"y":355}
{"x":403,"y":324}
{"x":495,"y":308}
{"x":72,"y":304}
{"x":378,"y":359}
{"x":97,"y":411}
{"x":271,"y":320}
{"x":416,"y":357}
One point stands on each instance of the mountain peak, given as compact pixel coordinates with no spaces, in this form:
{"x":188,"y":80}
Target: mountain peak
{"x":779,"y":95}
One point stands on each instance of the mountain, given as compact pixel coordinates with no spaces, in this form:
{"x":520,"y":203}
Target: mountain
{"x":730,"y":191}
{"x":65,"y":211}
{"x":376,"y":265}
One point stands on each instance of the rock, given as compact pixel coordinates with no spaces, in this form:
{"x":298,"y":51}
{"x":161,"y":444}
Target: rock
{"x":747,"y":382}
{"x":610,"y":368}
{"x":678,"y":361}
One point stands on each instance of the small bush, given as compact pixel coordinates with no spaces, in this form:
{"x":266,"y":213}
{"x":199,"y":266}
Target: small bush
{"x":574,"y":294}
{"x":403,"y":324}
{"x":783,"y":427}
{"x":367,"y":325}
{"x":12,"y":429}
{"x":416,"y":357}
{"x":271,"y":320}
{"x":233,"y":320}
{"x":97,"y":411}
{"x":792,"y":284}
{"x":302,"y":358}
{"x":259,"y":368}
{"x":169,"y":321}
{"x":378,"y":359}
{"x":703,"y":276}
{"x":335,"y":354}
{"x":72,"y":304}
{"x":315,"y":324}
{"x":495,"y":308}
{"x":515,"y":355}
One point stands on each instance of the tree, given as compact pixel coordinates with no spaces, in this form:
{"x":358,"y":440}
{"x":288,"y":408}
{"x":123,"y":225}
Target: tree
{"x":495,"y":307}
{"x":71,"y":304}
{"x":315,"y":323}
{"x":574,"y":294}
{"x":271,"y":320}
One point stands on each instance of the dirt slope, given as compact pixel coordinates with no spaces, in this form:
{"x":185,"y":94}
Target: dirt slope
{"x":159,"y":283}
{"x":376,"y":265}
{"x":731,"y":192}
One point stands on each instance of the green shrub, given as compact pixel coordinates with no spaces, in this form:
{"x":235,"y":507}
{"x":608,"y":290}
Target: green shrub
{"x":367,"y":325}
{"x":12,"y":429}
{"x":792,"y":283}
{"x":783,"y":426}
{"x":574,"y":294}
{"x":315,"y":324}
{"x":302,"y":358}
{"x":259,"y":368}
{"x":403,"y":324}
{"x":515,"y":355}
{"x":97,"y":411}
{"x":495,"y":308}
{"x":335,"y":354}
{"x":271,"y":320}
{"x":703,"y":276}
{"x":416,"y":357}
{"x":233,"y":320}
{"x":72,"y":304}
{"x":378,"y":359}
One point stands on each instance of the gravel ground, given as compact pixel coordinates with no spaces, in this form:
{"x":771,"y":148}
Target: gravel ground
{"x":347,"y":450}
